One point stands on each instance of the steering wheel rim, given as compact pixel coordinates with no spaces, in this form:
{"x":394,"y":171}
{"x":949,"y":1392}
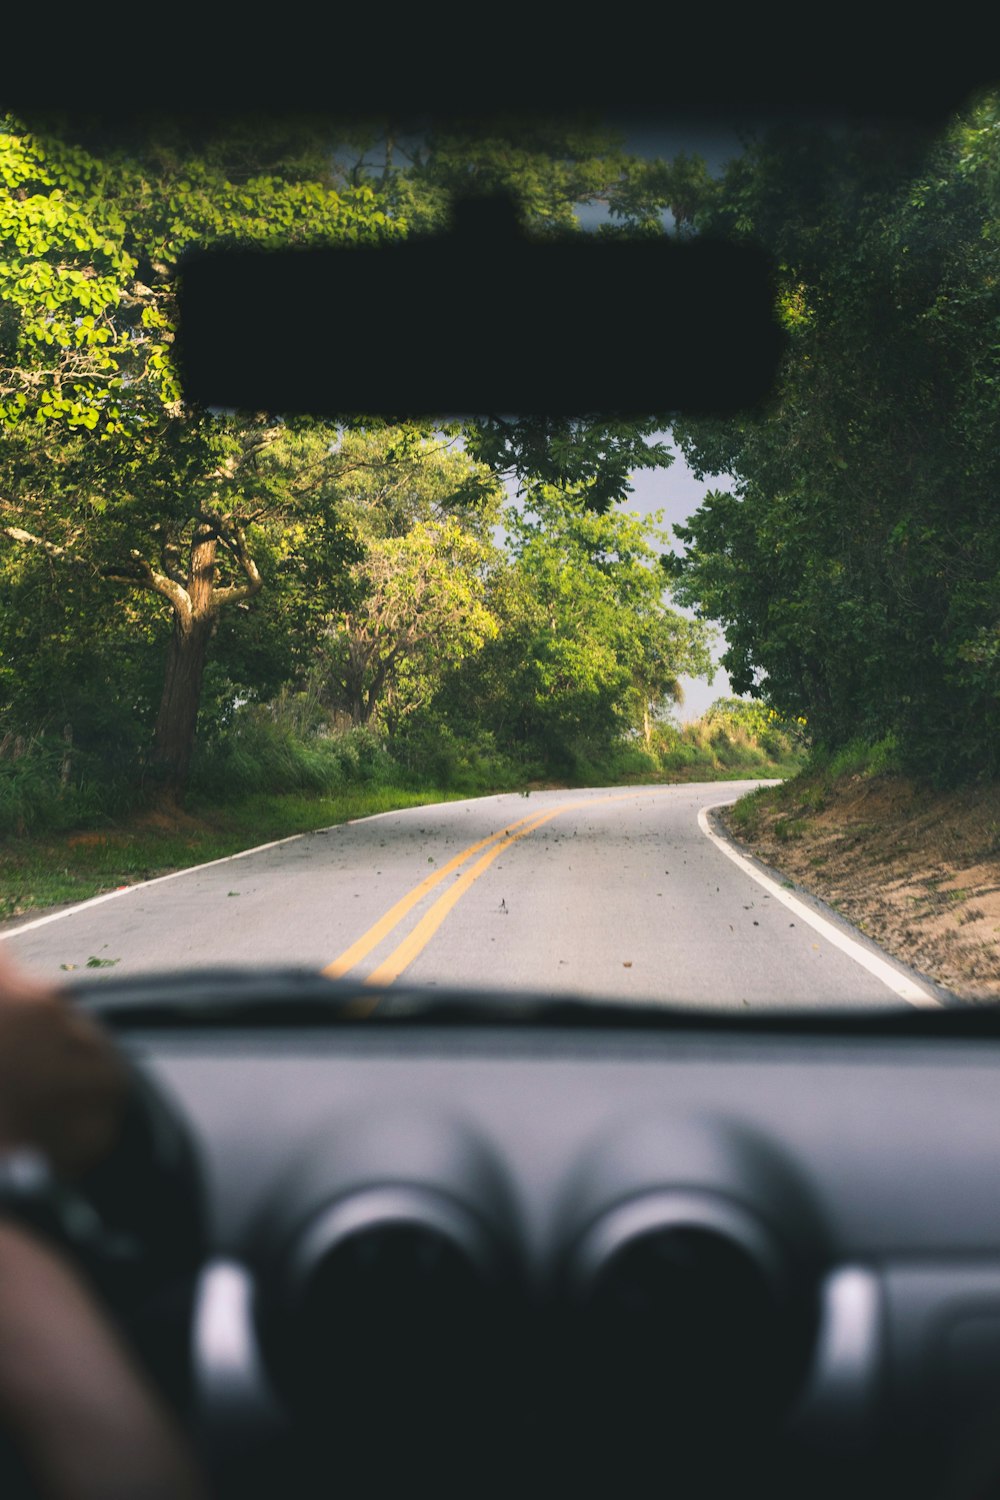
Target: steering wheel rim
{"x":133,"y":1225}
{"x":147,"y":1197}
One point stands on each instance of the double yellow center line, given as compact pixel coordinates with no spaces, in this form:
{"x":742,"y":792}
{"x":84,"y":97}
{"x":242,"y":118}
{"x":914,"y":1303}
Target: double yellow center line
{"x":414,"y":943}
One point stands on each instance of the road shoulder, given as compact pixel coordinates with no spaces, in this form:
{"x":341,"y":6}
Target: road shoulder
{"x":915,"y":870}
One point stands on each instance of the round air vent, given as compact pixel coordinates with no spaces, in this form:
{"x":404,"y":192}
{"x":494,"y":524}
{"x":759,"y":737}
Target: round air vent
{"x":689,"y":1291}
{"x":680,"y":1325}
{"x":380,"y":1308}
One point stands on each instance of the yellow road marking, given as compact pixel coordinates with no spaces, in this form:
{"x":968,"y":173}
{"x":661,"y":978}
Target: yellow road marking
{"x":414,"y":942}
{"x":412,"y":945}
{"x":371,"y":939}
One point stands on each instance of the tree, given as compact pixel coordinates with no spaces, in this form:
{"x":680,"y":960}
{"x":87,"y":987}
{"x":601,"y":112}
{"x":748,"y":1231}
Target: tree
{"x":588,"y":653}
{"x":390,"y":477}
{"x":106,"y":471}
{"x":419,"y":611}
{"x":855,"y":569}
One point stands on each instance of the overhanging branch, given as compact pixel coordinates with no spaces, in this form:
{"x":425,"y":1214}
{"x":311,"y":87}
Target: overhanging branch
{"x":234,"y":539}
{"x":18,"y":534}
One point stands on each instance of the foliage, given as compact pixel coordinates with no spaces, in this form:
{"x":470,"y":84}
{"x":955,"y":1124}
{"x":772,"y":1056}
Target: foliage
{"x":586,"y":653}
{"x":418,"y":611}
{"x":590,"y":458}
{"x":92,"y":244}
{"x":756,"y":720}
{"x":855,"y":569}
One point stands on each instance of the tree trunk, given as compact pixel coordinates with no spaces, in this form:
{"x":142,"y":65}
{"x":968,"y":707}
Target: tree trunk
{"x":173,"y":736}
{"x":67,"y":760}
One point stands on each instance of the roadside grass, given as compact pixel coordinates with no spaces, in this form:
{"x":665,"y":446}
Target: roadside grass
{"x":48,"y":869}
{"x":67,"y":839}
{"x":807,"y":786}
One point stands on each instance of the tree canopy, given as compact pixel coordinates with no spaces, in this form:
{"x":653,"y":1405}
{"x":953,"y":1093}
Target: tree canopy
{"x":259,"y":551}
{"x":588,"y":653}
{"x":855,"y":567}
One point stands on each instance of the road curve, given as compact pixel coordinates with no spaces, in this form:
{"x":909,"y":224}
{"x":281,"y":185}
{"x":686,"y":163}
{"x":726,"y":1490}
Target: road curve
{"x":614,"y":892}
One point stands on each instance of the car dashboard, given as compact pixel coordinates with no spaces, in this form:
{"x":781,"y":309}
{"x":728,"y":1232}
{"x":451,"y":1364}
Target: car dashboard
{"x":681,"y":1251}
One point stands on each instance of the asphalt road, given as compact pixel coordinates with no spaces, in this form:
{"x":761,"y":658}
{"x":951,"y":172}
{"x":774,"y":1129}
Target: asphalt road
{"x":619,"y":893}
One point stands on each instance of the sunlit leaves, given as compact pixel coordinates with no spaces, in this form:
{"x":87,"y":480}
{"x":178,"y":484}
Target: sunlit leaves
{"x":91,"y":246}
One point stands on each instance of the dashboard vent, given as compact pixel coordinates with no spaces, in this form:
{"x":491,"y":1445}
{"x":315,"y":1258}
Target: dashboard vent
{"x":384,"y":1303}
{"x":680,"y":1317}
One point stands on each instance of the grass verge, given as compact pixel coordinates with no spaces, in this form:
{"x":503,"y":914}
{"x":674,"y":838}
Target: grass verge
{"x":46,"y":870}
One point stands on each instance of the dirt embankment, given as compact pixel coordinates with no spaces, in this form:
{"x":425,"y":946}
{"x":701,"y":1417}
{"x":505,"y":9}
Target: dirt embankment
{"x":917,"y":870}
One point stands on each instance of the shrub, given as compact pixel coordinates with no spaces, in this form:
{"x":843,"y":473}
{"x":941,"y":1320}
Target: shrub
{"x":45,"y":788}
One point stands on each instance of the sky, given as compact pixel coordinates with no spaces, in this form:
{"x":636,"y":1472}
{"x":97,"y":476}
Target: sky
{"x":677,"y":493}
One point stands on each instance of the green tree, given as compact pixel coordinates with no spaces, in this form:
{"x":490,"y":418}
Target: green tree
{"x":855,"y":569}
{"x":106,"y":471}
{"x":588,"y":652}
{"x":419,"y":611}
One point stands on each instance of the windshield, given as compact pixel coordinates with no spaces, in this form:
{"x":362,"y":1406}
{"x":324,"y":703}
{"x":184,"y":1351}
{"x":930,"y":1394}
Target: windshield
{"x":697,"y":707}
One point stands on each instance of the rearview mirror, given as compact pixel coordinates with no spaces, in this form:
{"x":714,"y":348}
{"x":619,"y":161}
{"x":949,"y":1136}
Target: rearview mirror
{"x":481,"y":319}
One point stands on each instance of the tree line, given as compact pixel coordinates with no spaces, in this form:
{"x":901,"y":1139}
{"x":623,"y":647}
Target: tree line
{"x":164,"y":565}
{"x":855,"y":567}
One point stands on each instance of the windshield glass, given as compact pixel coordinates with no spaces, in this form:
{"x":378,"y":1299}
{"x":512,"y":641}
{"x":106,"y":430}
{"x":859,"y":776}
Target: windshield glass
{"x":697,"y":707}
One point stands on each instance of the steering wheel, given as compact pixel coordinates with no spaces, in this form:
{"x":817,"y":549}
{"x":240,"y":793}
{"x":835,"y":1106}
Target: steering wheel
{"x":134,"y":1225}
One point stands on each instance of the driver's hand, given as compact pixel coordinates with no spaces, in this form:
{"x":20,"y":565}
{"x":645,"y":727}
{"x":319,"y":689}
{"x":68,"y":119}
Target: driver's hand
{"x":62,"y":1083}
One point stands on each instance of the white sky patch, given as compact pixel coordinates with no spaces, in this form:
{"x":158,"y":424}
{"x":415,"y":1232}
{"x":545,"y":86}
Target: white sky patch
{"x":678,"y":494}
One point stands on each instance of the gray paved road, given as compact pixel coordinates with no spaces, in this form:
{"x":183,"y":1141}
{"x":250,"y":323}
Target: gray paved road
{"x":616,"y":892}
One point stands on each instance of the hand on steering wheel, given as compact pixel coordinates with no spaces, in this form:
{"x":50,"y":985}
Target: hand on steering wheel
{"x":62,"y":1083}
{"x":91,"y":1154}
{"x":97,"y":1174}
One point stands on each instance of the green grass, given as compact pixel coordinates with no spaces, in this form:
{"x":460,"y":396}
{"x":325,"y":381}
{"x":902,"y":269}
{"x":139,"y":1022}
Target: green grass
{"x":45,"y":869}
{"x":806,"y":790}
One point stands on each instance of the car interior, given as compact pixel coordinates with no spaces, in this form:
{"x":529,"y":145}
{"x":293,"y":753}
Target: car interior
{"x":501,"y":1244}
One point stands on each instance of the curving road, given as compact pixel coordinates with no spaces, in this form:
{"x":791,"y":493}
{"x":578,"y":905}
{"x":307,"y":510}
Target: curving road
{"x":620,"y":893}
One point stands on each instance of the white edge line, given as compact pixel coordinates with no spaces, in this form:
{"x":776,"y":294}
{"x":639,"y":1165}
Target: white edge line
{"x":142,"y":885}
{"x":907,"y":989}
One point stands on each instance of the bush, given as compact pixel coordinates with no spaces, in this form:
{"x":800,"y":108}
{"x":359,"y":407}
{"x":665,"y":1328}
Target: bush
{"x":431,"y":753}
{"x":635,"y":761}
{"x":47,"y":787}
{"x":256,"y":756}
{"x":362,"y":756}
{"x":859,"y":758}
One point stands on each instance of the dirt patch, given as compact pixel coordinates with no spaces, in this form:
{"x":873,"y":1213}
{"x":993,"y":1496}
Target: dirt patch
{"x":95,"y":840}
{"x":915,"y":869}
{"x":168,"y":819}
